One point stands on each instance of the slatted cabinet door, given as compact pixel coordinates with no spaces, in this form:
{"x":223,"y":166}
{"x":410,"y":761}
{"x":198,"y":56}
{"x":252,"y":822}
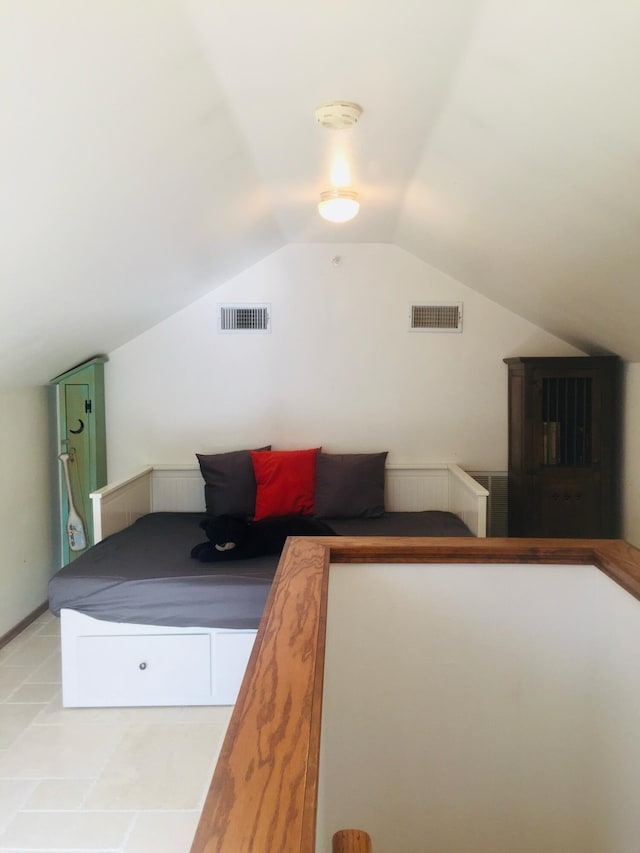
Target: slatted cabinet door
{"x":563,"y":447}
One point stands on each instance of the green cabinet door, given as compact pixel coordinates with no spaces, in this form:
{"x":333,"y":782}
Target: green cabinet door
{"x":81,"y":435}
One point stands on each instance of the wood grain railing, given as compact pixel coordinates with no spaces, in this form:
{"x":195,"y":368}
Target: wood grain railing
{"x":351,"y":841}
{"x":263,"y":793}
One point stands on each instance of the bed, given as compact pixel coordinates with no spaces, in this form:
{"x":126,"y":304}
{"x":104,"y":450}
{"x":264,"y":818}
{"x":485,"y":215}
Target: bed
{"x":142,"y":623}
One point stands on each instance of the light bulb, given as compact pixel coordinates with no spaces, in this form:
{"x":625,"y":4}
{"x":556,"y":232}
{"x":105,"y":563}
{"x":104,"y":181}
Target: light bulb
{"x":340,"y":174}
{"x":338,"y":205}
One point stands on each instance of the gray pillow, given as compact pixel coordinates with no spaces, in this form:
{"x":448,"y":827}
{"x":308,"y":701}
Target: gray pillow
{"x":229,"y":482}
{"x":349,"y":485}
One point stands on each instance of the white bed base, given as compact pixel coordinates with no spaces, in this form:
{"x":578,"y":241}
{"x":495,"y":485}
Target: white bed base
{"x":110,"y":664}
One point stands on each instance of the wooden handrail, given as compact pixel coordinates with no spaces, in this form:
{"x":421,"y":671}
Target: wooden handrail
{"x":264,"y":789}
{"x":351,"y":841}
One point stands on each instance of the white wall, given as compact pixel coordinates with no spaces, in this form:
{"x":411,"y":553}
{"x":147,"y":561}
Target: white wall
{"x":339,"y":369}
{"x":463,"y":710}
{"x":27,"y":556}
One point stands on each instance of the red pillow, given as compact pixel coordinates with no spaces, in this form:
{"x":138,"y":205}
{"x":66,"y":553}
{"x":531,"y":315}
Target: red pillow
{"x":285,"y":481}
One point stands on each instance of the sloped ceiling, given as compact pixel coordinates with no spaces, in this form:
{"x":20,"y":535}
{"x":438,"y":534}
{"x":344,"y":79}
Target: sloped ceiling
{"x":151,"y":150}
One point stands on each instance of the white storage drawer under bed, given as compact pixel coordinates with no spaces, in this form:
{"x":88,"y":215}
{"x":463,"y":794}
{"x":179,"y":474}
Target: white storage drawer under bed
{"x":119,"y":664}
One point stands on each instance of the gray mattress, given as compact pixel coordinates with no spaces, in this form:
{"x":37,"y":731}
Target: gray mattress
{"x":144,"y":574}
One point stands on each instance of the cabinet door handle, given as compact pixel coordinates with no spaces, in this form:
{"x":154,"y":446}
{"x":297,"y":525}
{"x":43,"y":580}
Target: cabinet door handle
{"x":143,"y":665}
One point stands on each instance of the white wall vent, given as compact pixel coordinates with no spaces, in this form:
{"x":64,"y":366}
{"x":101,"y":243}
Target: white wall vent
{"x":244,"y":318}
{"x":436,"y":317}
{"x":497,"y":484}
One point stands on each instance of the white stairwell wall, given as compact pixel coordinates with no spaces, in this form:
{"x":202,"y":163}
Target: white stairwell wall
{"x":485,"y":708}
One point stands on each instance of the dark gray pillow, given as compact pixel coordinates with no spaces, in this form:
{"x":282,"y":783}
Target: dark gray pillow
{"x":229,"y":482}
{"x":349,"y":485}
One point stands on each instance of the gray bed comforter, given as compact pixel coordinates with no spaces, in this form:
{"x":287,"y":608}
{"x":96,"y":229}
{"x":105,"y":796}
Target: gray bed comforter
{"x":145,"y":575}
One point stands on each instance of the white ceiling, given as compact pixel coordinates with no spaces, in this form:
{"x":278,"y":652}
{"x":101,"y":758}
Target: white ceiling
{"x":151,"y":149}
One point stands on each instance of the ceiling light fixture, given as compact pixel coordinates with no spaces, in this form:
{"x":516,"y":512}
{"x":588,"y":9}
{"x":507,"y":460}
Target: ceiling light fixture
{"x":340,"y":172}
{"x":337,"y":115}
{"x":338,"y":205}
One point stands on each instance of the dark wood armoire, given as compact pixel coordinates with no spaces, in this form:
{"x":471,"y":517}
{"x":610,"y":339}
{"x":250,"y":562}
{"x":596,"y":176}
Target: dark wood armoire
{"x":563,"y":446}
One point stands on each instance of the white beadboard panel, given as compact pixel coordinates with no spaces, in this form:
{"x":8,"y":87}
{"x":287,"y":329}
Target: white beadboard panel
{"x":409,"y":489}
{"x":440,"y":486}
{"x":118,"y":505}
{"x":175,"y":487}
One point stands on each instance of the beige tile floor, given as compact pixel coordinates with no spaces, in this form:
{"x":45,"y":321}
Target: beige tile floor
{"x":113,"y":780}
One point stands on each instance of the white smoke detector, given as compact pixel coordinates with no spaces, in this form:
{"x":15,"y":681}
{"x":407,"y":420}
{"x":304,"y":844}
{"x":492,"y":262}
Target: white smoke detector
{"x":337,"y":115}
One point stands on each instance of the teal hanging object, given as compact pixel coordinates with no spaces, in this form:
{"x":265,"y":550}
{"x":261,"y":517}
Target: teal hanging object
{"x":76,"y":535}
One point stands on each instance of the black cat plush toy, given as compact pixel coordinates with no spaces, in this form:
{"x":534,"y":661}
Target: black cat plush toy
{"x":233,"y":538}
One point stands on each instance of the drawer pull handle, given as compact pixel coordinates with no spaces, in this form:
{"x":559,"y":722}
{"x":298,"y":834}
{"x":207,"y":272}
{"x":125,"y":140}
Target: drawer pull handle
{"x":143,"y":665}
